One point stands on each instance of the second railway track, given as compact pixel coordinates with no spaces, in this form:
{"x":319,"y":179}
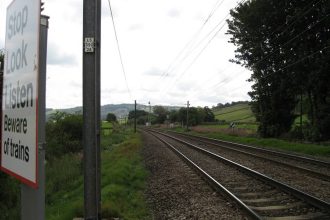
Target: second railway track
{"x":263,"y":197}
{"x":314,"y":167}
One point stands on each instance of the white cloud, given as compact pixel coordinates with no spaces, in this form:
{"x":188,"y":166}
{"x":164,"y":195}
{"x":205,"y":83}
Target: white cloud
{"x":174,"y":13}
{"x":57,"y":57}
{"x":151,"y":34}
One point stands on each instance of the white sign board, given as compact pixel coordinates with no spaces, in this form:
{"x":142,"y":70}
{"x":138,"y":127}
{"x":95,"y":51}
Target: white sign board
{"x":19,"y":141}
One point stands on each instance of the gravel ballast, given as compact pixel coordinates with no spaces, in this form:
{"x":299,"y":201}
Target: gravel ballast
{"x":174,"y":191}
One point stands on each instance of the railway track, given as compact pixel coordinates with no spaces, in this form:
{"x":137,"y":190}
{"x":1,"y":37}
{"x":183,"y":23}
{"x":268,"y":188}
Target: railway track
{"x":260,"y":196}
{"x":316,"y":168}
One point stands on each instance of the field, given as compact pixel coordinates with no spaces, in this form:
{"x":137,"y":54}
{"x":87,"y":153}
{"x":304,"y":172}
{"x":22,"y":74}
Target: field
{"x":238,"y":113}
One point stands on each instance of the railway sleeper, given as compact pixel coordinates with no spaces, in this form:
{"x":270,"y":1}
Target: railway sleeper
{"x":315,"y":215}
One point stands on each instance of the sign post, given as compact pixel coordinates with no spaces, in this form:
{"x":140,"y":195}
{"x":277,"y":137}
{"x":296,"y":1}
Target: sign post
{"x":33,"y":200}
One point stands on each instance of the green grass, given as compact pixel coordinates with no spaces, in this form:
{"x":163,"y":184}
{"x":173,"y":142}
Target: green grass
{"x":250,"y":126}
{"x":106,"y":128}
{"x":123,"y":181}
{"x":308,"y":149}
{"x":237,"y":113}
{"x":64,"y":187}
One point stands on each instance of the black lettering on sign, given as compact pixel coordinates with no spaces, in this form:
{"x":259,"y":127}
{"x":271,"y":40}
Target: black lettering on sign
{"x":20,"y":96}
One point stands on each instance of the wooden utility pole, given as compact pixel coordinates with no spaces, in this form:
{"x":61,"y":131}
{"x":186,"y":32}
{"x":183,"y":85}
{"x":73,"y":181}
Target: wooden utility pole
{"x":149,"y":116}
{"x":135,"y":116}
{"x":187,"y":115}
{"x":91,"y":107}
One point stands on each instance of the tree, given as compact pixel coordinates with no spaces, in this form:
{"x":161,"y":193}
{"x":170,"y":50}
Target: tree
{"x":141,"y":116}
{"x":283,"y":43}
{"x":63,"y":134}
{"x":173,"y":116}
{"x":2,"y":56}
{"x":196,"y":116}
{"x":208,"y":115}
{"x":161,"y":114}
{"x":111,"y":118}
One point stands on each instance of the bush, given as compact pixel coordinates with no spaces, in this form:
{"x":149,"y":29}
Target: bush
{"x":63,"y":134}
{"x":9,"y":197}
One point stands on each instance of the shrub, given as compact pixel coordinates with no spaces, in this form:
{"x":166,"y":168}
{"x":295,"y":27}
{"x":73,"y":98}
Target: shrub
{"x":63,"y":134}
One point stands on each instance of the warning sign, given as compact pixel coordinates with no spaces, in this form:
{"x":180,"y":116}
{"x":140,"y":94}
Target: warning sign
{"x":19,"y":144}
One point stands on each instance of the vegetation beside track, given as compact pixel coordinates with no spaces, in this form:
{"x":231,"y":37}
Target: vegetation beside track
{"x":273,"y":143}
{"x":122,"y":182}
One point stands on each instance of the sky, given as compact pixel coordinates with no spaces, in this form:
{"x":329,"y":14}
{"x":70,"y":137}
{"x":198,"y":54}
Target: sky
{"x":172,"y":52}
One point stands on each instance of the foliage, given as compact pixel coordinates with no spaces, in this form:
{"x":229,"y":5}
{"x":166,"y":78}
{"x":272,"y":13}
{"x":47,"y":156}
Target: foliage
{"x":141,"y":116}
{"x":285,"y":44}
{"x":272,"y":143}
{"x":161,"y":114}
{"x":63,"y":134}
{"x":10,"y":200}
{"x":111,"y":118}
{"x":208,"y":115}
{"x":123,"y":181}
{"x":173,"y":116}
{"x":196,"y":116}
{"x":64,"y":186}
{"x":2,"y":56}
{"x":227,"y":104}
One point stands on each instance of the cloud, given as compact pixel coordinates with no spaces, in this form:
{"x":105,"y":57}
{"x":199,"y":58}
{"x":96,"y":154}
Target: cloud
{"x":135,"y":27}
{"x":2,"y":44}
{"x":174,"y":13}
{"x":57,"y":57}
{"x":153,"y":72}
{"x":75,"y":84}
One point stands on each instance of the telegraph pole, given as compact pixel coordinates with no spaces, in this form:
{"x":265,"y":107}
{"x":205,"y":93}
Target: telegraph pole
{"x":135,"y":116}
{"x":187,"y":115}
{"x":149,"y":114}
{"x":91,"y":107}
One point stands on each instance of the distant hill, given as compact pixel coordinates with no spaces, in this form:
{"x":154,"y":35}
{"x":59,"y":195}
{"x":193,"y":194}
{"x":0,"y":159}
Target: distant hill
{"x":240,"y":112}
{"x":120,"y":110}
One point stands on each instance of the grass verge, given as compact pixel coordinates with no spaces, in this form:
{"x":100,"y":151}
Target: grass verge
{"x":123,"y":181}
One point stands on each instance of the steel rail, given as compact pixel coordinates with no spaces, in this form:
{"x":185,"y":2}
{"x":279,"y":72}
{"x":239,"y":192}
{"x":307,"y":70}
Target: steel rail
{"x":308,"y":171}
{"x":282,"y":154}
{"x":210,"y":180}
{"x":316,"y":202}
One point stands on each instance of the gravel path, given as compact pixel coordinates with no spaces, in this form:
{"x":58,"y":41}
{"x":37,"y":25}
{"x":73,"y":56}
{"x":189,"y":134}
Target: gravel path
{"x":174,"y":191}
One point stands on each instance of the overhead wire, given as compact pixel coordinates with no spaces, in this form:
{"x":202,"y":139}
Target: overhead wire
{"x":119,"y":51}
{"x":309,"y":27}
{"x":191,"y":41}
{"x":294,"y":19}
{"x":294,"y":63}
{"x":203,"y":49}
